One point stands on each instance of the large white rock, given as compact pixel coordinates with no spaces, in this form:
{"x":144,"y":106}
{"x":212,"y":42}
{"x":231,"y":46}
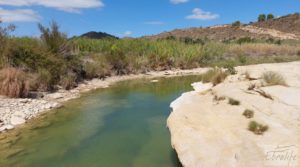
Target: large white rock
{"x":6,"y":127}
{"x":17,"y":120}
{"x":210,"y":133}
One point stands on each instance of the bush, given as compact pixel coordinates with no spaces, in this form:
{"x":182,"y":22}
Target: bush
{"x":215,"y":76}
{"x":261,"y":18}
{"x":273,"y":78}
{"x":270,"y":16}
{"x":68,"y":81}
{"x":230,"y":68}
{"x":96,"y":67}
{"x":248,"y":113}
{"x":13,"y":83}
{"x":257,"y":128}
{"x":298,"y":53}
{"x":41,"y":81}
{"x":236,"y":24}
{"x":5,"y":44}
{"x":54,"y":40}
{"x":245,"y":40}
{"x":233,"y":102}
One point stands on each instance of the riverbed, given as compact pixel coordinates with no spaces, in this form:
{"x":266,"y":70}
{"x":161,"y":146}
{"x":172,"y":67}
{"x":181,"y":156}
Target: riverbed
{"x":121,"y":126}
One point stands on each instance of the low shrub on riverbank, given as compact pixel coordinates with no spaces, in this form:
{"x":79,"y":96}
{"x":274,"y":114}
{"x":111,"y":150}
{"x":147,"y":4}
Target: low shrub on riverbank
{"x":272,"y":78}
{"x":215,"y":76}
{"x":13,"y":83}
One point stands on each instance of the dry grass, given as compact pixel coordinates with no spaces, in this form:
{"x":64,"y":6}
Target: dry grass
{"x":262,"y":49}
{"x":215,"y":76}
{"x":272,"y":78}
{"x":13,"y":83}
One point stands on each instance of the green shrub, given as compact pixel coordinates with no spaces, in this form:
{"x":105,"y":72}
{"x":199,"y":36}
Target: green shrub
{"x":273,"y":78}
{"x":230,"y":69}
{"x":248,"y":113}
{"x":41,"y":80}
{"x":236,"y":24}
{"x":261,"y":18}
{"x":96,"y":67}
{"x":5,"y":44}
{"x":215,"y":76}
{"x":68,"y":81}
{"x":13,"y":83}
{"x":257,"y":128}
{"x":245,"y":40}
{"x":270,"y":17}
{"x":298,"y":53}
{"x":233,"y":102}
{"x":54,"y":40}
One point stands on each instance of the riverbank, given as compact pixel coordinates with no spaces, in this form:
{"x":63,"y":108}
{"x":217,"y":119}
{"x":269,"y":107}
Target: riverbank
{"x":210,"y":126}
{"x":15,"y":112}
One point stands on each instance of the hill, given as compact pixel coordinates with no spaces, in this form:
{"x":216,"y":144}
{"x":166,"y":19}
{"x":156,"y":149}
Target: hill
{"x":98,"y":35}
{"x":286,"y":27}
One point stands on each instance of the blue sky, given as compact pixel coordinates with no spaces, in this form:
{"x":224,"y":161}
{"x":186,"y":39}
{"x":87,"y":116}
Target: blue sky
{"x":135,"y":17}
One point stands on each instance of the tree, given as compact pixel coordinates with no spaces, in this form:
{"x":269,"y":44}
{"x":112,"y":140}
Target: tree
{"x":54,"y":40}
{"x":261,"y":18}
{"x":270,"y":16}
{"x":4,"y":43}
{"x":236,"y":24}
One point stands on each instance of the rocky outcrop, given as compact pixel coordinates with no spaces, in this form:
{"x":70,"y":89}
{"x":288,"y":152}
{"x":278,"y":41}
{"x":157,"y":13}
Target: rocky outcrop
{"x":207,"y":131}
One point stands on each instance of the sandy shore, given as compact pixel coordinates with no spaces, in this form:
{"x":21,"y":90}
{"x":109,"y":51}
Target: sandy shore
{"x":14,"y":112}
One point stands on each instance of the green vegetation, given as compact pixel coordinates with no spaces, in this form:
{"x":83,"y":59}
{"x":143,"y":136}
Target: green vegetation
{"x":215,"y":76}
{"x":53,"y":61}
{"x":236,"y":24}
{"x":234,"y":102}
{"x":270,"y":16}
{"x":272,"y":78}
{"x":298,"y":53}
{"x":257,"y":128}
{"x":248,"y":113}
{"x":261,"y":18}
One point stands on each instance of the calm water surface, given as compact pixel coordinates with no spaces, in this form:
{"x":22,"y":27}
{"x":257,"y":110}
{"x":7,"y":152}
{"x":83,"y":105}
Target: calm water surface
{"x":122,"y":126}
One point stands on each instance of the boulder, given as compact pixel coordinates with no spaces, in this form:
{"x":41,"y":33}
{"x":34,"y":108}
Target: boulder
{"x":15,"y":120}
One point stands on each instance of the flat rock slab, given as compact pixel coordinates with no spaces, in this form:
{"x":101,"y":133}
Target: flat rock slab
{"x":207,"y":131}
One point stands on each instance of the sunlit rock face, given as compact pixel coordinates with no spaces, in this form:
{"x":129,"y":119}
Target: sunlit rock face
{"x":207,"y":131}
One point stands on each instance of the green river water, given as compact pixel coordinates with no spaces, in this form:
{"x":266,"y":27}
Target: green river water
{"x":121,"y":126}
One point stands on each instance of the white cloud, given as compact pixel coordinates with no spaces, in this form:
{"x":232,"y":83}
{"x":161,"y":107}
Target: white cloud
{"x":65,"y":5}
{"x":199,"y":14}
{"x":19,"y":15}
{"x":154,"y":23}
{"x":178,"y":1}
{"x":127,"y":33}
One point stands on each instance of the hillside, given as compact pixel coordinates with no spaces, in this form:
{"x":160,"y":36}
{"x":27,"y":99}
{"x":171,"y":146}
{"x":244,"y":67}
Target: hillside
{"x":286,"y":27}
{"x":98,"y":35}
{"x":287,"y":24}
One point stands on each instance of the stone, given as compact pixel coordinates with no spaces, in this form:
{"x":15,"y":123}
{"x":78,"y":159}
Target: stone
{"x":55,"y":96}
{"x":154,"y":81}
{"x":209,"y":134}
{"x":6,"y":127}
{"x":17,"y":120}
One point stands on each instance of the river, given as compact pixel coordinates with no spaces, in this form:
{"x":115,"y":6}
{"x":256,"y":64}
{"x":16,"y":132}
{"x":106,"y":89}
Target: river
{"x":121,"y":126}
